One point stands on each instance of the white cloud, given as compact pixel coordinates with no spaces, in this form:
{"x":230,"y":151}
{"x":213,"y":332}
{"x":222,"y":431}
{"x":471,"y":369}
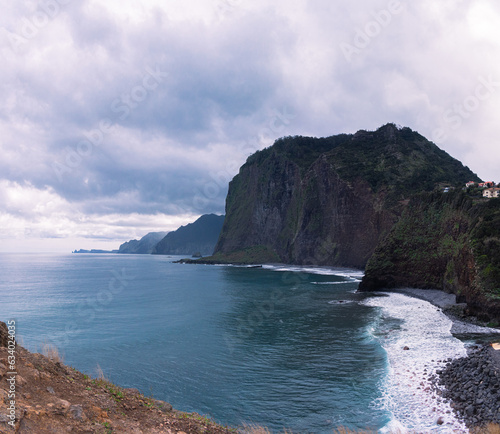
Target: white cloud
{"x":29,"y":213}
{"x":228,"y":65}
{"x":483,"y":21}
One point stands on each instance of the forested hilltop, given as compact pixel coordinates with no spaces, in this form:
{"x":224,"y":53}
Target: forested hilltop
{"x":329,"y":201}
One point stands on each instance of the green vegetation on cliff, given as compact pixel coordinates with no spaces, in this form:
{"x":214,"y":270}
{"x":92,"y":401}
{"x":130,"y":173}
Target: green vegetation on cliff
{"x":400,"y":161}
{"x":486,"y":245}
{"x":448,"y":241}
{"x":329,"y":201}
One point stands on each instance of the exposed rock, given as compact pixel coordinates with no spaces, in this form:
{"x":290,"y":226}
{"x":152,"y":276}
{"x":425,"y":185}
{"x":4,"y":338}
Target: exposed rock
{"x":132,"y":391}
{"x":61,"y":406}
{"x":473,"y":384}
{"x":76,"y":411}
{"x":163,"y":406}
{"x":4,"y":335}
{"x":3,"y":370}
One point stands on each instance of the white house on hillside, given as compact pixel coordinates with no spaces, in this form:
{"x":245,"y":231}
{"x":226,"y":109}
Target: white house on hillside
{"x":491,"y":192}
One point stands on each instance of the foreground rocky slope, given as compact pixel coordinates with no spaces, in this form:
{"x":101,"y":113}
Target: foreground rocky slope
{"x":329,"y":201}
{"x":53,"y":398}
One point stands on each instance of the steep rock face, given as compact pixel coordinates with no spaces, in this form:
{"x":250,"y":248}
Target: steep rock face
{"x":330,"y":201}
{"x":340,"y":222}
{"x":424,"y":247}
{"x":447,"y":241}
{"x":197,"y":237}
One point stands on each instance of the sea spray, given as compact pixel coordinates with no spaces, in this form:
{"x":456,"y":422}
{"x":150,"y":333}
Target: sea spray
{"x":416,"y":336}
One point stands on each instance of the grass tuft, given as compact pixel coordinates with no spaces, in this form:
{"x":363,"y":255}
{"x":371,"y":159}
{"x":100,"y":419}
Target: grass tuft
{"x":52,"y":353}
{"x":100,"y":374}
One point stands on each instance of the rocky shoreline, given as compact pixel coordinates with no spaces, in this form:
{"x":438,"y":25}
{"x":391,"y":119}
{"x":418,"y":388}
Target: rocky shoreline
{"x":472,"y":384}
{"x":463,"y":324}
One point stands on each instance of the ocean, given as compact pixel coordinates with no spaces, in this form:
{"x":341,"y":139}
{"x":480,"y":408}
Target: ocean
{"x":279,"y":346}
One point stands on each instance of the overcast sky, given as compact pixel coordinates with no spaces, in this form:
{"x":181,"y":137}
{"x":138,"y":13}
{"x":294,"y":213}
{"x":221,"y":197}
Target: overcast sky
{"x":121,"y":117}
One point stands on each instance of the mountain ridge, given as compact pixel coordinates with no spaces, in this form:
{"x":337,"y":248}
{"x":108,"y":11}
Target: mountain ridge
{"x":198,"y":237}
{"x":143,"y":246}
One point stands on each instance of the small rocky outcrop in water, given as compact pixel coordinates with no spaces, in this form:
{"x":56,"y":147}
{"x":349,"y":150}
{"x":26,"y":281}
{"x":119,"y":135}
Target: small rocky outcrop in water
{"x":473,"y":385}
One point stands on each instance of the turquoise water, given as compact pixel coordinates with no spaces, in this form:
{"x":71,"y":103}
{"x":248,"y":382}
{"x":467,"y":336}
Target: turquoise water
{"x":281,"y":347}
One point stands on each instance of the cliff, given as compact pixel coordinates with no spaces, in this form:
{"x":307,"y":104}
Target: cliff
{"x":197,"y":237}
{"x":143,"y":246}
{"x":448,"y":241}
{"x":329,"y":201}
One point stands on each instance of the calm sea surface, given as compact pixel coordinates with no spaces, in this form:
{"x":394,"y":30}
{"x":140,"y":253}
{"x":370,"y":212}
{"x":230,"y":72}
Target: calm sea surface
{"x":278,"y":346}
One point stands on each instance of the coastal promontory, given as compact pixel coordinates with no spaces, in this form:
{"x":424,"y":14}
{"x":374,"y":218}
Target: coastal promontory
{"x":329,"y":201}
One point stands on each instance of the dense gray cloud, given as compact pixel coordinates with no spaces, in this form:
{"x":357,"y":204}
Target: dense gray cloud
{"x":117,"y":118}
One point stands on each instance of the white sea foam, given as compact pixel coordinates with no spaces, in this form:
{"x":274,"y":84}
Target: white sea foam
{"x":406,"y":391}
{"x":350,"y":273}
{"x":341,"y":302}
